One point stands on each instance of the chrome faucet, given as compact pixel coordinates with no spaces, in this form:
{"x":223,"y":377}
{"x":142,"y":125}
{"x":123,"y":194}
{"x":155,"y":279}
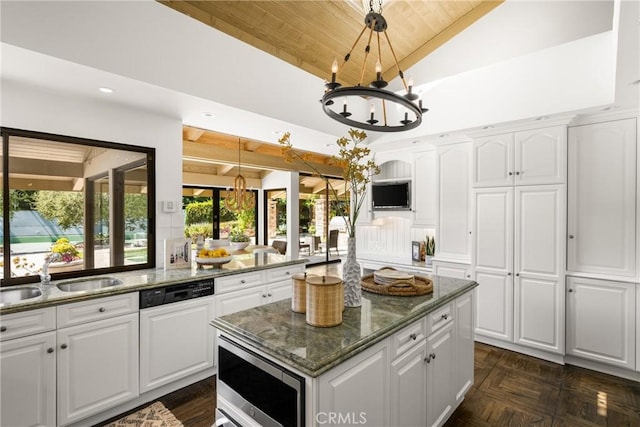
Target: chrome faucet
{"x":45,"y":277}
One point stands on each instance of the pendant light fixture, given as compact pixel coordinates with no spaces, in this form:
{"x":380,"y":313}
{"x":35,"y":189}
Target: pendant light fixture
{"x":239,"y":199}
{"x":372,"y":107}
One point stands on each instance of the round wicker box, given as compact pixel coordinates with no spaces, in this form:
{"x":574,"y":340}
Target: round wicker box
{"x":325,"y":301}
{"x":299,"y":292}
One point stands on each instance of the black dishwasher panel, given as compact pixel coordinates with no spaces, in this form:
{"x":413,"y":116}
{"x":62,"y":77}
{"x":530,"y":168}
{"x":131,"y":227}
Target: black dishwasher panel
{"x":176,"y":293}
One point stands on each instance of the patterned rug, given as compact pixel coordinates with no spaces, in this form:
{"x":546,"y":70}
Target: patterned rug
{"x":155,"y":415}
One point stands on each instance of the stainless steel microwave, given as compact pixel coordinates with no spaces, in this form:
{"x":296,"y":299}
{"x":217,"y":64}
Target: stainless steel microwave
{"x":263,"y":390}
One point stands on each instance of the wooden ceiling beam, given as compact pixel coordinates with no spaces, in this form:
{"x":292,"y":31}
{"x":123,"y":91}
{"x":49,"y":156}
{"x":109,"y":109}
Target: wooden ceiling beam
{"x":45,"y":167}
{"x":40,"y":184}
{"x":201,"y":152}
{"x":196,"y":179}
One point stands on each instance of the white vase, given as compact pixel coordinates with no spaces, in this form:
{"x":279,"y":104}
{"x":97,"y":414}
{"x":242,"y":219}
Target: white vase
{"x":351,"y":277}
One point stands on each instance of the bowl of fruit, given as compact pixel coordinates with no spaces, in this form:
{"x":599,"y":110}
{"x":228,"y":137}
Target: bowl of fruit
{"x":215,"y":257}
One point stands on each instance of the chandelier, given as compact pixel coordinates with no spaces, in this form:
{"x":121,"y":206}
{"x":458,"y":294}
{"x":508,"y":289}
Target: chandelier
{"x":360,"y":103}
{"x":239,"y":198}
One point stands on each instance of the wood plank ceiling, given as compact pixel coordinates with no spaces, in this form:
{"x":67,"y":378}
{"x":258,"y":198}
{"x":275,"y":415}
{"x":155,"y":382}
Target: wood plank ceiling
{"x":310,"y":34}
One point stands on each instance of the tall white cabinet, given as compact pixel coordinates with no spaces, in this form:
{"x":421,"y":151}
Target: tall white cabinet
{"x":602,"y":198}
{"x":518,"y":237}
{"x":453,"y":229}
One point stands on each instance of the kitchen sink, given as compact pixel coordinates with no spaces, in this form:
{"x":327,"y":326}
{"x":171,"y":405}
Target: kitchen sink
{"x":8,"y":296}
{"x":89,"y":284}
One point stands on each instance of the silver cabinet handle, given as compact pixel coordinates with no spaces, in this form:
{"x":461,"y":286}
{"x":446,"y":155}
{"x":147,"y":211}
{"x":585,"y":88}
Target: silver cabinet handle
{"x":287,"y":273}
{"x":264,"y":295}
{"x":433,"y":355}
{"x":509,"y":274}
{"x":571,"y":236}
{"x":268,"y":295}
{"x":242,"y":281}
{"x":510,"y":173}
{"x":570,"y":290}
{"x":3,"y":329}
{"x":428,"y":359}
{"x":50,"y":350}
{"x":517,"y":173}
{"x":413,"y":336}
{"x":517,"y":274}
{"x":63,"y":346}
{"x":102,"y":309}
{"x":445,"y":316}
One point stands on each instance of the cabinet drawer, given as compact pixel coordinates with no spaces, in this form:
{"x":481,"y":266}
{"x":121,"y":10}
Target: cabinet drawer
{"x":439,"y":318}
{"x":407,"y":338}
{"x":283,"y":273}
{"x":239,"y":281}
{"x":103,"y":308}
{"x":27,"y":323}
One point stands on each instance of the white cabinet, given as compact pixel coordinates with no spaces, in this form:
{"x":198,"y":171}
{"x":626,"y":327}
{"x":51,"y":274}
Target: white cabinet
{"x":243,"y":291}
{"x":521,"y":158}
{"x":452,"y":269}
{"x":638,"y":327}
{"x":28,"y":369}
{"x":464,"y":346}
{"x":97,"y":358}
{"x":424,"y":189}
{"x":440,"y":367}
{"x":429,"y":377}
{"x":602,"y":198}
{"x":601,"y":321}
{"x":517,"y":259}
{"x":358,"y":389}
{"x":176,"y":340}
{"x":453,"y":230}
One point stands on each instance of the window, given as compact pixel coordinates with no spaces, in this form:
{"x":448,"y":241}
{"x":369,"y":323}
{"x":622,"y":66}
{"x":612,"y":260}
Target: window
{"x":90,"y":201}
{"x":205,"y":214}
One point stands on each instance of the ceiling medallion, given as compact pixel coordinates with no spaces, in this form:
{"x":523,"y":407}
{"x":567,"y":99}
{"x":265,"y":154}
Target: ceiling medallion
{"x":239,"y":199}
{"x":396,"y":112}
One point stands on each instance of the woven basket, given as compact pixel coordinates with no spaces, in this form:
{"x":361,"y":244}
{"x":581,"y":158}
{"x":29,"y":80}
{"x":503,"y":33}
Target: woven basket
{"x":325,"y":301}
{"x":419,"y":285}
{"x":299,"y":294}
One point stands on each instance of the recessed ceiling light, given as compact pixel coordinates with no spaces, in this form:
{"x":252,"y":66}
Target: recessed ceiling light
{"x":635,"y":82}
{"x":609,"y":108}
{"x":542,"y":118}
{"x":444,"y":135}
{"x":328,"y":145}
{"x":105,"y":89}
{"x":208,"y":115}
{"x":487,"y":127}
{"x":414,"y":142}
{"x":278,"y":132}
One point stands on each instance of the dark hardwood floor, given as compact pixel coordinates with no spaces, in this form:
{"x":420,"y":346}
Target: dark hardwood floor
{"x":510,"y":389}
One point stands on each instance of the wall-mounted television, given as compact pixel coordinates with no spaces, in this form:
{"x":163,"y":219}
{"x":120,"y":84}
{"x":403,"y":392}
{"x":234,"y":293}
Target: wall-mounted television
{"x":391,"y":196}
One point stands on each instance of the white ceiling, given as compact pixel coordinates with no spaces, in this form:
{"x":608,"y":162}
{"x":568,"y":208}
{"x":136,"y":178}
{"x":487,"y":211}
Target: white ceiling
{"x":162,"y":61}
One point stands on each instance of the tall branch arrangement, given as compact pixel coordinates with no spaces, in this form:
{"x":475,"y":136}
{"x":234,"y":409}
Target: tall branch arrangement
{"x":357,"y":170}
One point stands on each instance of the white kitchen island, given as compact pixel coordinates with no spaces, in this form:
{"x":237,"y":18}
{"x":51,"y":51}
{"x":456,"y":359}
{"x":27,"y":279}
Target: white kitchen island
{"x":395,"y":361}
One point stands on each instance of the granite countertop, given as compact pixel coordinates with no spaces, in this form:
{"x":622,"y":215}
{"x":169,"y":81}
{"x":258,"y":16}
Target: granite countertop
{"x":146,"y":279}
{"x":285,"y":335}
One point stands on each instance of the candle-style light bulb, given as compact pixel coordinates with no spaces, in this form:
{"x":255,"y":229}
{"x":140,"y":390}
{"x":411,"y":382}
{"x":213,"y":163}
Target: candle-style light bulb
{"x":344,"y":106}
{"x":378,"y":70}
{"x":334,"y":70}
{"x":373,"y":109}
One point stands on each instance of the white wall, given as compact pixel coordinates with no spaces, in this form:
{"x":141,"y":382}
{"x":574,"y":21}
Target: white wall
{"x":31,"y":108}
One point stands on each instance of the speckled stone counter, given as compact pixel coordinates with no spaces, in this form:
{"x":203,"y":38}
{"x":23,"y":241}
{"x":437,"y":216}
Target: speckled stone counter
{"x":146,"y":279}
{"x":285,"y":335}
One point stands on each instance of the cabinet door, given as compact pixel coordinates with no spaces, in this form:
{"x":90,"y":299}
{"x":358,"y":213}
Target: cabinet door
{"x":464,"y":346}
{"x":493,"y":161}
{"x":279,"y":290}
{"x":358,"y":389}
{"x":538,"y":266}
{"x":409,"y":388}
{"x":600,"y":317}
{"x":167,"y":351}
{"x":453,"y":231}
{"x":493,"y":261}
{"x":28,"y":381}
{"x":538,"y":314}
{"x":450,"y":269}
{"x":494,"y":311}
{"x":602,"y":198}
{"x":424,"y":189}
{"x":97,"y":366}
{"x":440,"y":375}
{"x":541,"y":156}
{"x":239,"y":300}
